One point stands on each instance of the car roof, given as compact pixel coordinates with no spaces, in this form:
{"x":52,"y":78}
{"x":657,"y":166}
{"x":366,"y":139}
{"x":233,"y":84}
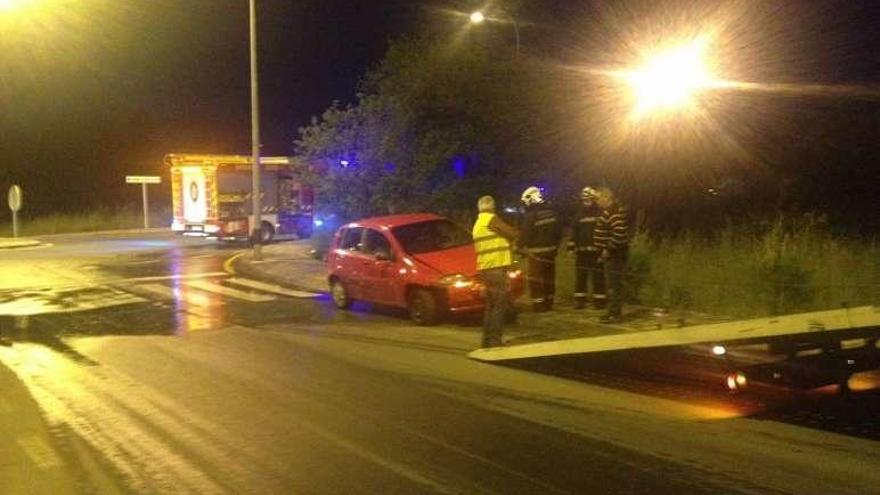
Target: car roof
{"x":391,"y":221}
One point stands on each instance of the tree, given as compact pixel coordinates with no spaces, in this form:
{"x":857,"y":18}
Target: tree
{"x":432,"y":128}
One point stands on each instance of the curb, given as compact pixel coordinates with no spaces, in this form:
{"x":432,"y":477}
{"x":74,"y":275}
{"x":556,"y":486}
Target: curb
{"x":240,"y":264}
{"x":151,"y":230}
{"x":24,"y":243}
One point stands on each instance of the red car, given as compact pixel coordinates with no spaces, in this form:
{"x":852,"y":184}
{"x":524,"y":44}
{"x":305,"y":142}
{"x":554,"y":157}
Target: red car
{"x":422,"y":262}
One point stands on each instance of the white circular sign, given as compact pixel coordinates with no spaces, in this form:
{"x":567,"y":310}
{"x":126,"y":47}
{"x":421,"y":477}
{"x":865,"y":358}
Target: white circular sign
{"x":14,"y":197}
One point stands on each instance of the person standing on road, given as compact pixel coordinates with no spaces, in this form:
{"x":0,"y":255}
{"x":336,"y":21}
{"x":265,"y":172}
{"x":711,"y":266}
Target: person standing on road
{"x":540,"y":240}
{"x":588,"y":269}
{"x":492,"y":242}
{"x":611,"y":237}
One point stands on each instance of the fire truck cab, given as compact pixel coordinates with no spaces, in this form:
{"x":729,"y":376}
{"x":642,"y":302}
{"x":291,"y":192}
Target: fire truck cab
{"x":211,"y":196}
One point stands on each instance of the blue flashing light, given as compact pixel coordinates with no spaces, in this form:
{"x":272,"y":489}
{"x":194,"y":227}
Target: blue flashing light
{"x":458,"y":167}
{"x":318,"y":222}
{"x":344,"y":163}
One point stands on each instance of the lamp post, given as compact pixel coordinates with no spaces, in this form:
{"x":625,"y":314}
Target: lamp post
{"x":478,"y":17}
{"x":255,"y":138}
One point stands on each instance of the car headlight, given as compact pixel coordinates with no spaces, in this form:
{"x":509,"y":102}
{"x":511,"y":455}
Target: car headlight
{"x":458,"y":281}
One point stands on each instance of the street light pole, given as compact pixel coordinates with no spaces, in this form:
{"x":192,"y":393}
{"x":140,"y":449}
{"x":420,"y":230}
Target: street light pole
{"x":255,"y":138}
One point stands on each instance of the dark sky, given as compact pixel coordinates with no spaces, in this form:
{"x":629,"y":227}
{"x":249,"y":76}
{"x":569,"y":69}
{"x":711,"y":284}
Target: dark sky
{"x":103,"y":88}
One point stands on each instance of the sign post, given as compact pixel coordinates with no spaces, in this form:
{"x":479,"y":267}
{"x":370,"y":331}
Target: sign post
{"x":14,"y":198}
{"x":143,"y":180}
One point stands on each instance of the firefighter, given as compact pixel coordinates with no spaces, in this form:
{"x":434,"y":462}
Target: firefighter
{"x":493,"y":239}
{"x":539,"y":240}
{"x":588,"y":269}
{"x":611,"y":236}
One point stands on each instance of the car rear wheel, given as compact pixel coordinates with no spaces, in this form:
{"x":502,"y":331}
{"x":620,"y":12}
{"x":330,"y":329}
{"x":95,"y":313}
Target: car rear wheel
{"x":340,"y":295}
{"x":423,"y":307}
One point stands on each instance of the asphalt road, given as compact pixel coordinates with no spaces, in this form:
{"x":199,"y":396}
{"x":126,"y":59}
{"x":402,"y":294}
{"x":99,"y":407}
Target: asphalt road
{"x":158,"y":372}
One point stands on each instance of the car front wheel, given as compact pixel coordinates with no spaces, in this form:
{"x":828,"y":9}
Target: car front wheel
{"x":340,"y":295}
{"x":423,"y":307}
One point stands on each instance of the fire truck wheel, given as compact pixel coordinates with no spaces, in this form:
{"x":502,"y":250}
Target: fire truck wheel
{"x":267,"y":233}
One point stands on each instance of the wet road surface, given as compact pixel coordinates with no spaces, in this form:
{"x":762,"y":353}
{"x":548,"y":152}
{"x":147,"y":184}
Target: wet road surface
{"x":158,"y":372}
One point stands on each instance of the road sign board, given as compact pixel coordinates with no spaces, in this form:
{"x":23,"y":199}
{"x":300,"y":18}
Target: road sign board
{"x":14,"y":197}
{"x":143,"y":179}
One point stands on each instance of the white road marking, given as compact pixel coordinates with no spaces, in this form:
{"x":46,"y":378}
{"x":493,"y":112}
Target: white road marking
{"x":39,"y":452}
{"x":178,"y":293}
{"x":42,"y":302}
{"x":275,"y":289}
{"x":186,"y":276}
{"x":228,"y":291}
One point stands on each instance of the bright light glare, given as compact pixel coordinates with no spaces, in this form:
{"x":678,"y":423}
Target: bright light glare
{"x":476,"y":18}
{"x":670,"y":79}
{"x":11,"y":5}
{"x":719,"y":350}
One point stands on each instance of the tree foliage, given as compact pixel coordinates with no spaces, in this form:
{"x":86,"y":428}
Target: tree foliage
{"x":432,"y":128}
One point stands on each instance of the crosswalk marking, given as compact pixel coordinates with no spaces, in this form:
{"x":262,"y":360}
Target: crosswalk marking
{"x":254,"y":284}
{"x":39,"y":451}
{"x":229,"y":291}
{"x":190,"y":297}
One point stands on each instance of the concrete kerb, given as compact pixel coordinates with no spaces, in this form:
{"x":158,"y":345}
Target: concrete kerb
{"x":151,"y":230}
{"x":273,"y":271}
{"x":17,"y":243}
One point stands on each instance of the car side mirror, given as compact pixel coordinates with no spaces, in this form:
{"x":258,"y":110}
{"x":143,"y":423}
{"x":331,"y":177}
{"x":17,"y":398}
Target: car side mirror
{"x":383,"y":256}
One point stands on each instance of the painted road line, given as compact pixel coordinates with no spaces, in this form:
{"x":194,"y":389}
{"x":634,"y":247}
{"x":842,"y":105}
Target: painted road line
{"x":39,"y":452}
{"x":229,"y":291}
{"x":186,"y":276}
{"x":181,"y":294}
{"x":24,"y":303}
{"x":228,"y":265}
{"x":275,"y":289}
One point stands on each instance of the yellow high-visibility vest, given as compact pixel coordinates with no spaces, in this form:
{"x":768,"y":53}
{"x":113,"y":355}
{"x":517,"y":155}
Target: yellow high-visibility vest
{"x":493,"y":250}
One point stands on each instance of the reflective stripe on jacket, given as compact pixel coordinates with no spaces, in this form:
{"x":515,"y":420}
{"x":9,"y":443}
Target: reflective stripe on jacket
{"x":493,"y":250}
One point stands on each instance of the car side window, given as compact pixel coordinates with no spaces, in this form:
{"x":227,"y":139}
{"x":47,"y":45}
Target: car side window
{"x":351,"y":239}
{"x":375,"y":243}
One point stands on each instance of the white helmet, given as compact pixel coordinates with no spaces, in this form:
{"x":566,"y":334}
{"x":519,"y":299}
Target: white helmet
{"x":588,"y":193}
{"x":532,"y":196}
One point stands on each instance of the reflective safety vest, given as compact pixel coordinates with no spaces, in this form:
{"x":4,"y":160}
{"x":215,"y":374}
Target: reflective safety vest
{"x":493,"y":250}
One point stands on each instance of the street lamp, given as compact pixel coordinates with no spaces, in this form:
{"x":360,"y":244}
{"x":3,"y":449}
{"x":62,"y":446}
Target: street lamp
{"x":477,"y":17}
{"x":670,"y":79}
{"x":255,"y":138}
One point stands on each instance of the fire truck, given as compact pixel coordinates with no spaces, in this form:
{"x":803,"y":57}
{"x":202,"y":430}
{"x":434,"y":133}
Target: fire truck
{"x":211,"y":196}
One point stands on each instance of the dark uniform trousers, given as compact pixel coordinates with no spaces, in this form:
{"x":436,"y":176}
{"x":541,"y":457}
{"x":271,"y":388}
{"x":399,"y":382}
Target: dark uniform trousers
{"x":542,"y":279}
{"x":589,"y":270}
{"x":615,"y":271}
{"x":495,"y":280}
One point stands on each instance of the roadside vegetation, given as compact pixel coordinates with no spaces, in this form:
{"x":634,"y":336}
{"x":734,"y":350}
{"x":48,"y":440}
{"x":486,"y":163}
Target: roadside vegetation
{"x":778,"y":267}
{"x":95,"y":220}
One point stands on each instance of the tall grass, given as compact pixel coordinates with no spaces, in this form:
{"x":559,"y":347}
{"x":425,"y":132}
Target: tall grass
{"x":786,"y":266}
{"x":88,"y":221}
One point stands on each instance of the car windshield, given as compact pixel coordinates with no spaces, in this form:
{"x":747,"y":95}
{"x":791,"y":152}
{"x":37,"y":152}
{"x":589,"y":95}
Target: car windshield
{"x":429,"y":236}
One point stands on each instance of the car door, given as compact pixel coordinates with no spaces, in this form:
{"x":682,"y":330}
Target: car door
{"x":349,"y":261}
{"x":378,"y":268}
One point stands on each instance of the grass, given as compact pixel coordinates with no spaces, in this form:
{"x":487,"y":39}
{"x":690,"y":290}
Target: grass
{"x":89,"y":221}
{"x":785,"y":266}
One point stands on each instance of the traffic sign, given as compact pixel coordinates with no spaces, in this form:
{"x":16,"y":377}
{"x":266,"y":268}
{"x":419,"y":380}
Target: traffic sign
{"x":143,"y":179}
{"x":14,"y":197}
